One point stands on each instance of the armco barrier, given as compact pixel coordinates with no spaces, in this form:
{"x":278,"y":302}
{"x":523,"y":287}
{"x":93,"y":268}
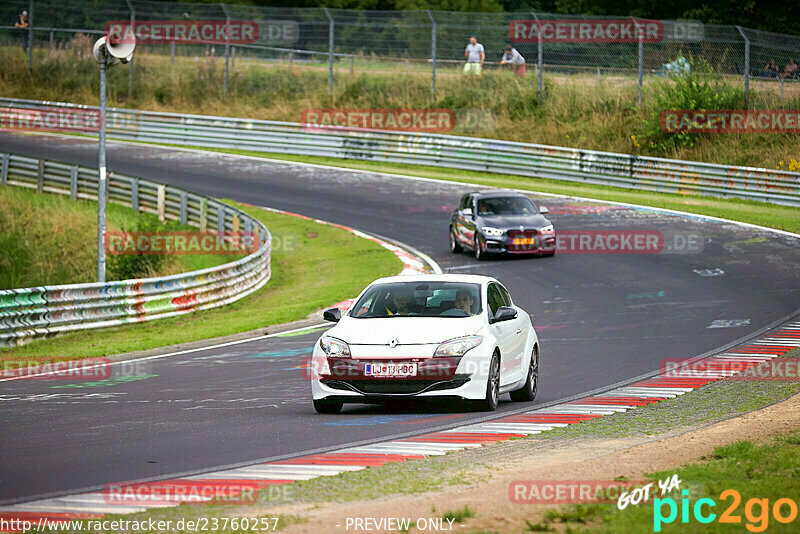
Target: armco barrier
{"x":51,"y":310}
{"x":525,"y":159}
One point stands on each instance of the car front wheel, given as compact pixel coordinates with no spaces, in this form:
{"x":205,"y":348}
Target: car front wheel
{"x":490,"y":402}
{"x":480,"y":254}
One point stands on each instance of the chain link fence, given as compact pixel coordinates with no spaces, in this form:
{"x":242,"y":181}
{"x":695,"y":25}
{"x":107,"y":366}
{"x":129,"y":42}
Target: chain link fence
{"x":429,"y":42}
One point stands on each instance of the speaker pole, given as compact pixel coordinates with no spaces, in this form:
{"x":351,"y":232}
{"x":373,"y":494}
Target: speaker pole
{"x":101,"y":183}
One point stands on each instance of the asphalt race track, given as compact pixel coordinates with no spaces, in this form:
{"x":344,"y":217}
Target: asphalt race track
{"x":601,"y":318}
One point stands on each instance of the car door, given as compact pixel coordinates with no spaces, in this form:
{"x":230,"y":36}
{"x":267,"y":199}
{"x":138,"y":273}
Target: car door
{"x":517,"y":355}
{"x":504,"y":332}
{"x":466,"y":220}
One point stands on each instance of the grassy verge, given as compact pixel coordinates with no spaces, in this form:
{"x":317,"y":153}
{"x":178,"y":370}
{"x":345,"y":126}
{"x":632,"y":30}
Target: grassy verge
{"x":575,"y":110}
{"x":49,"y":239}
{"x":303,"y":249}
{"x":781,"y":217}
{"x":763,"y":472}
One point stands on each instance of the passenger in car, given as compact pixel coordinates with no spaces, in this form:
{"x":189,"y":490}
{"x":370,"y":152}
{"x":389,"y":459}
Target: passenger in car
{"x":464,"y":301}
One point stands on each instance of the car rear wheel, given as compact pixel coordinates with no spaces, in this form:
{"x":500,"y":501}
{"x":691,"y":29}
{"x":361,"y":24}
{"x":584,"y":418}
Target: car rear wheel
{"x":489,"y":403}
{"x":326,"y":406}
{"x":528,"y":392}
{"x":455,"y":246}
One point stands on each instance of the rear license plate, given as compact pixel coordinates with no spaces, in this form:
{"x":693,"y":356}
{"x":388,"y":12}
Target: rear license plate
{"x":390,"y":369}
{"x":524,"y":240}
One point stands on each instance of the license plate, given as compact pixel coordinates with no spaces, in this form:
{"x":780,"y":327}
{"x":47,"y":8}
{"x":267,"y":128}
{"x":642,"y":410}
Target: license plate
{"x":524,"y":240}
{"x":390,"y":369}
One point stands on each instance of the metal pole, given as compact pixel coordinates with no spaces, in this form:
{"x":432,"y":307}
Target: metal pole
{"x":539,"y":58}
{"x":172,"y":51}
{"x":101,"y":184}
{"x":640,"y":33}
{"x":227,"y":47}
{"x":351,"y":66}
{"x":30,"y":36}
{"x":331,"y":29}
{"x":52,"y":39}
{"x":130,"y":63}
{"x":433,"y":52}
{"x":746,"y":67}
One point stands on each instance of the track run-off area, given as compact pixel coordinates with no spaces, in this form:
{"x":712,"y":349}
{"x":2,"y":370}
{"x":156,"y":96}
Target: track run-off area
{"x":603,"y":319}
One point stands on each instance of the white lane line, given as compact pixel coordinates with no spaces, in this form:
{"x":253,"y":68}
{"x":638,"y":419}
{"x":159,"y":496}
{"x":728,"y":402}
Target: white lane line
{"x":52,"y":505}
{"x":516,"y":428}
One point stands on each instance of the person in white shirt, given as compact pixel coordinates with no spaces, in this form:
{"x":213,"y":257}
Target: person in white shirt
{"x":475,"y":57}
{"x":514,"y":58}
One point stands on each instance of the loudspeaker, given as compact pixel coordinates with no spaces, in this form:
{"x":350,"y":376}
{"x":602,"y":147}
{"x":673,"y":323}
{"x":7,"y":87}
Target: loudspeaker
{"x":119,"y":48}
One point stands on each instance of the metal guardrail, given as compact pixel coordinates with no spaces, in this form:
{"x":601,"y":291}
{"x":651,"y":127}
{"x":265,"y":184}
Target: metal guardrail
{"x":51,"y":310}
{"x":468,"y":153}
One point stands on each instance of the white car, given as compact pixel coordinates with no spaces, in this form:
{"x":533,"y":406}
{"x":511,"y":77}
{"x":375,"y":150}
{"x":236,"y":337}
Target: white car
{"x":452,"y":336}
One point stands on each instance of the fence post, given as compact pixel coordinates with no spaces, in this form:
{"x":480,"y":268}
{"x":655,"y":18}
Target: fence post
{"x":172,"y":51}
{"x":227,"y":47}
{"x":433,"y":53}
{"x":291,"y":60}
{"x":30,"y":36}
{"x":40,"y":177}
{"x":640,"y":35}
{"x":4,"y":170}
{"x":351,"y":65}
{"x":73,"y":183}
{"x":746,"y":67}
{"x":130,"y":63}
{"x":233,"y":57}
{"x":52,"y":39}
{"x":135,"y":194}
{"x":539,"y":58}
{"x":331,"y":28}
{"x":184,"y":214}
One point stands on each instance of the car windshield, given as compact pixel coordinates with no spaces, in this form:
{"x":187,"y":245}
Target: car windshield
{"x":506,"y":206}
{"x":419,"y":299}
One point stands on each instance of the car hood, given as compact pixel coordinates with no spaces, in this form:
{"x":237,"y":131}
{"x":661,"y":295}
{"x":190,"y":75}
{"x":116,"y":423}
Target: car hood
{"x":515,"y":221}
{"x":407,"y":330}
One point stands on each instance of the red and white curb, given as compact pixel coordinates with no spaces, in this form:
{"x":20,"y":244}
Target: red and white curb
{"x":184,"y":490}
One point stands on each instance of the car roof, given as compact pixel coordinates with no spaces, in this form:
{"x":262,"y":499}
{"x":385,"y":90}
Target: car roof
{"x":472,"y":278}
{"x":498,"y":193}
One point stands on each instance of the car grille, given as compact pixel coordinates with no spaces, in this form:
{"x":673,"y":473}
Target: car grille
{"x":395,"y":387}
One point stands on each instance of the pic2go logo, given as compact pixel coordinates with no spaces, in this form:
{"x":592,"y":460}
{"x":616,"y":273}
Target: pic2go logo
{"x":756,"y":511}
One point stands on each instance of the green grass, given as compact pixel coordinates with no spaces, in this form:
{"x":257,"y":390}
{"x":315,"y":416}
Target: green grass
{"x":770,"y":215}
{"x":296,"y":289}
{"x":768,"y":470}
{"x":48,"y":239}
{"x":459,"y":515}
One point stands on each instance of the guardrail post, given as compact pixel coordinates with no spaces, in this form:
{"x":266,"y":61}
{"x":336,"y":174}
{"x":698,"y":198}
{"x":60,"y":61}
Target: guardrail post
{"x":73,"y":182}
{"x":130,"y":63}
{"x":220,"y":223}
{"x":539,"y":58}
{"x":204,"y":215}
{"x":184,"y":215}
{"x":40,"y":177}
{"x":227,"y":47}
{"x":746,"y":67}
{"x":248,"y":242}
{"x":433,"y":52}
{"x":135,"y":194}
{"x":161,"y":202}
{"x":331,"y":29}
{"x":30,"y":36}
{"x":4,"y":169}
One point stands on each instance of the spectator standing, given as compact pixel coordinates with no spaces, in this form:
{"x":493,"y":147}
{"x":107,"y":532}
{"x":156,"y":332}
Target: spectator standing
{"x":22,"y":24}
{"x":514,"y":58}
{"x":475,"y":57}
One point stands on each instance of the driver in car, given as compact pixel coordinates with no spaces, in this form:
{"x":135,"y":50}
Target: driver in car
{"x":464,"y":301}
{"x":402,"y":300}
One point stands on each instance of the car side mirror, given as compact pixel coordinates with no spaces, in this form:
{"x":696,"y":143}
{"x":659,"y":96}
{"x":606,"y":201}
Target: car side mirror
{"x":466,"y":212}
{"x":333,"y":315}
{"x":543,"y":210}
{"x":504,"y":313}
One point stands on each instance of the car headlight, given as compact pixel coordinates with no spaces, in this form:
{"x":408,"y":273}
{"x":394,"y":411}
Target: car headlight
{"x":457,"y":347}
{"x":547,"y":229}
{"x":335,"y":348}
{"x":492,"y":232}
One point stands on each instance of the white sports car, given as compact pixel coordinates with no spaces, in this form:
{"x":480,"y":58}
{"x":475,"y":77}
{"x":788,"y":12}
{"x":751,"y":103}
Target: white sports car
{"x":456,"y":336}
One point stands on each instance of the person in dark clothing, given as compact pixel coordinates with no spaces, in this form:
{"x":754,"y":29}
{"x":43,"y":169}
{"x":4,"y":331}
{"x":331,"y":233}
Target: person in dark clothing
{"x":22,"y":24}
